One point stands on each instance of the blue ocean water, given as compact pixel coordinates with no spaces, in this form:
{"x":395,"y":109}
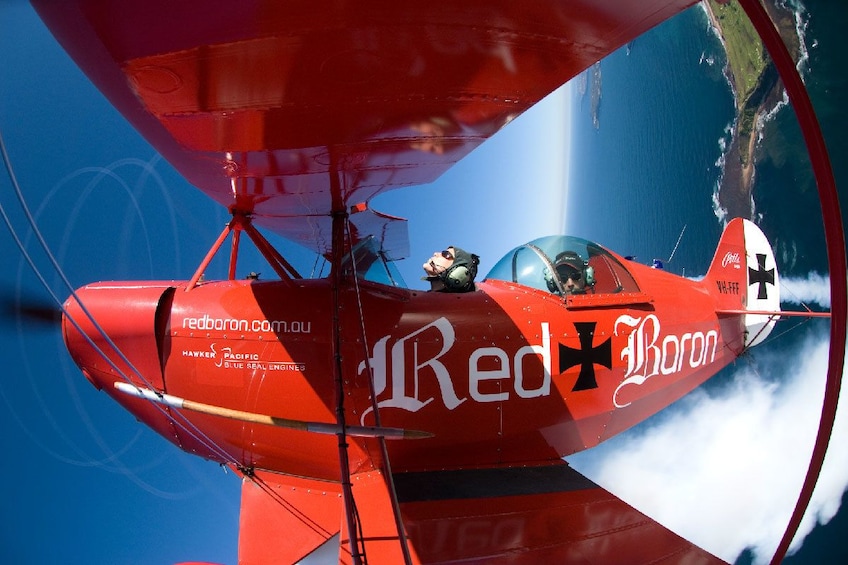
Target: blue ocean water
{"x":785,"y":191}
{"x":827,"y":83}
{"x":651,"y":166}
{"x":652,"y":162}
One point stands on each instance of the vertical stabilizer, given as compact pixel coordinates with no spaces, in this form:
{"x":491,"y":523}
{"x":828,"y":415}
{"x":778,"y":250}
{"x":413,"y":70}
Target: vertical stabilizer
{"x":743,"y":276}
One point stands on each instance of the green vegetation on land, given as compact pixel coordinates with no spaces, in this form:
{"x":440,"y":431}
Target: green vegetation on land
{"x":756,"y":85}
{"x":747,"y":64}
{"x":745,"y":53}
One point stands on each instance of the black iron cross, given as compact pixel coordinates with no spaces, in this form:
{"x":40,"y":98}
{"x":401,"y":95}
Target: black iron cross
{"x":587,"y":356}
{"x":761,"y":277}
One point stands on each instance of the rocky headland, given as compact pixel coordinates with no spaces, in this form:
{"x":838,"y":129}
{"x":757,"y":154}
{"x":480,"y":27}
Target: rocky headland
{"x":757,"y":90}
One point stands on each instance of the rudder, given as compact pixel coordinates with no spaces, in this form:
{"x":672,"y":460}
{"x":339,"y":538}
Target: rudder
{"x":743,"y":276}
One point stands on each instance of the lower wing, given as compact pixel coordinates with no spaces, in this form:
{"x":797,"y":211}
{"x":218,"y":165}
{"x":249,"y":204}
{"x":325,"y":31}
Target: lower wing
{"x":545,"y":514}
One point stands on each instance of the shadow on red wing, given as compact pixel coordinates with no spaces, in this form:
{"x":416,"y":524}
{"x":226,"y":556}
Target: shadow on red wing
{"x":548,"y":514}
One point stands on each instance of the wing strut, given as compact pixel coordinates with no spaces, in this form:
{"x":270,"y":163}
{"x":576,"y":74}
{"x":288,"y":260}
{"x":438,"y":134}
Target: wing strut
{"x":242,"y":222}
{"x":359,"y":538}
{"x":384,"y":452}
{"x":835,"y":237}
{"x":339,"y":219}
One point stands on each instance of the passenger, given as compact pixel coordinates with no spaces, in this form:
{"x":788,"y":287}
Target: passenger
{"x":451,"y":270}
{"x":572,"y":273}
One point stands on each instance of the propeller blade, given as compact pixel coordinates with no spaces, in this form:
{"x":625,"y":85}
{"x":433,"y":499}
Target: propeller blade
{"x":30,"y":309}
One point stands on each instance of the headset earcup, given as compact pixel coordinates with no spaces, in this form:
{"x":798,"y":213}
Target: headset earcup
{"x":589,"y":275}
{"x":457,"y":278}
{"x":549,"y":280}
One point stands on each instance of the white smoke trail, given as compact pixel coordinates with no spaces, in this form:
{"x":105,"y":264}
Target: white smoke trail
{"x":724,"y":469}
{"x":814,"y":289}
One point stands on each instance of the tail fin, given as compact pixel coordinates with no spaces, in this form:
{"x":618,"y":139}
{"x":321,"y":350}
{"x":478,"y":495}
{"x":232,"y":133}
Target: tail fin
{"x":743,"y":277}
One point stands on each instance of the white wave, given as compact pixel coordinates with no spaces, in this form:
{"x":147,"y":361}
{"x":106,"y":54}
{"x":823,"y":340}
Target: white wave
{"x":710,"y":27}
{"x":788,"y":253}
{"x":719,"y":211}
{"x":724,"y":469}
{"x":724,"y":143}
{"x":801,"y":18}
{"x":802,"y":23}
{"x":767,"y":116}
{"x":714,"y":30}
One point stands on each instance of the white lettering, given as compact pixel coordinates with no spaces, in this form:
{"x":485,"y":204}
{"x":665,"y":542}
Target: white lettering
{"x":645,"y":359}
{"x":714,"y":335}
{"x":665,"y":367}
{"x":697,"y":361}
{"x":683,"y":339}
{"x":477,"y":375}
{"x":400,"y":397}
{"x":399,"y":370}
{"x":642,"y":354}
{"x":230,"y":360}
{"x":544,"y":351}
{"x":731,"y":258}
{"x":207,"y":323}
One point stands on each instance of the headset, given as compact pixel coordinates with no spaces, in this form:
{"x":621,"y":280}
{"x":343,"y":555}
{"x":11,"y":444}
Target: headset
{"x":555,"y":282}
{"x":460,"y":278}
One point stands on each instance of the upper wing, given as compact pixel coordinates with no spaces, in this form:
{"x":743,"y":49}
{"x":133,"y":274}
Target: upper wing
{"x":291,"y":111}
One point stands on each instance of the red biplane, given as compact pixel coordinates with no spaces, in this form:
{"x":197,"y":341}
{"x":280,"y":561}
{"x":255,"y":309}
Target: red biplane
{"x":410,"y":426}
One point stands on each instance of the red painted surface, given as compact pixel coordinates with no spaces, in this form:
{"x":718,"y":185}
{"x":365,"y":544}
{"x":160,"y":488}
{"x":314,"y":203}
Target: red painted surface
{"x":291,"y":109}
{"x":567,"y":519}
{"x":294,"y":114}
{"x":506,"y":392}
{"x":283,"y":519}
{"x":491,"y":393}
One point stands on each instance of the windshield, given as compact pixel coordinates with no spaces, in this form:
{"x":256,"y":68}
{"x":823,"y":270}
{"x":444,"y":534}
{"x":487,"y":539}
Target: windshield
{"x":564,"y":265}
{"x":371,"y":264}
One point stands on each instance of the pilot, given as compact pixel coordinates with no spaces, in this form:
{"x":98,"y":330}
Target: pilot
{"x":573,"y":273}
{"x":451,"y":270}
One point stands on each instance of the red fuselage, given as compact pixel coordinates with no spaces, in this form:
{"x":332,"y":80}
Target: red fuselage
{"x":504,"y":375}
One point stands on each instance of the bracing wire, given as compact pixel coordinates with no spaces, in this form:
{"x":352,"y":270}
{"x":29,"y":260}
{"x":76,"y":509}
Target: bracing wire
{"x":375,"y":405}
{"x":192,"y":430}
{"x":56,"y":266}
{"x":676,"y":245}
{"x":304,"y":518}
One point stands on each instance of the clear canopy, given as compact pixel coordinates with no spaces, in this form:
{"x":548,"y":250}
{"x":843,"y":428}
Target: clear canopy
{"x":546,"y":264}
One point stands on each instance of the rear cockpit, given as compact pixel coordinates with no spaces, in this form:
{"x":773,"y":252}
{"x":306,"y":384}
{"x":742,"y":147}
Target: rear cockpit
{"x":565,"y":265}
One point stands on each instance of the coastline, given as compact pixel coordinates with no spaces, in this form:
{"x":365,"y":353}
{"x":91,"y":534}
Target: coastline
{"x":735,"y":190}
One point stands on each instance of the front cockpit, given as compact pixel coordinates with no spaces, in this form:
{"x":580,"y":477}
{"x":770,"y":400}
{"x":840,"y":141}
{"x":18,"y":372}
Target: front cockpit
{"x":371,"y":264}
{"x":565,"y":265}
